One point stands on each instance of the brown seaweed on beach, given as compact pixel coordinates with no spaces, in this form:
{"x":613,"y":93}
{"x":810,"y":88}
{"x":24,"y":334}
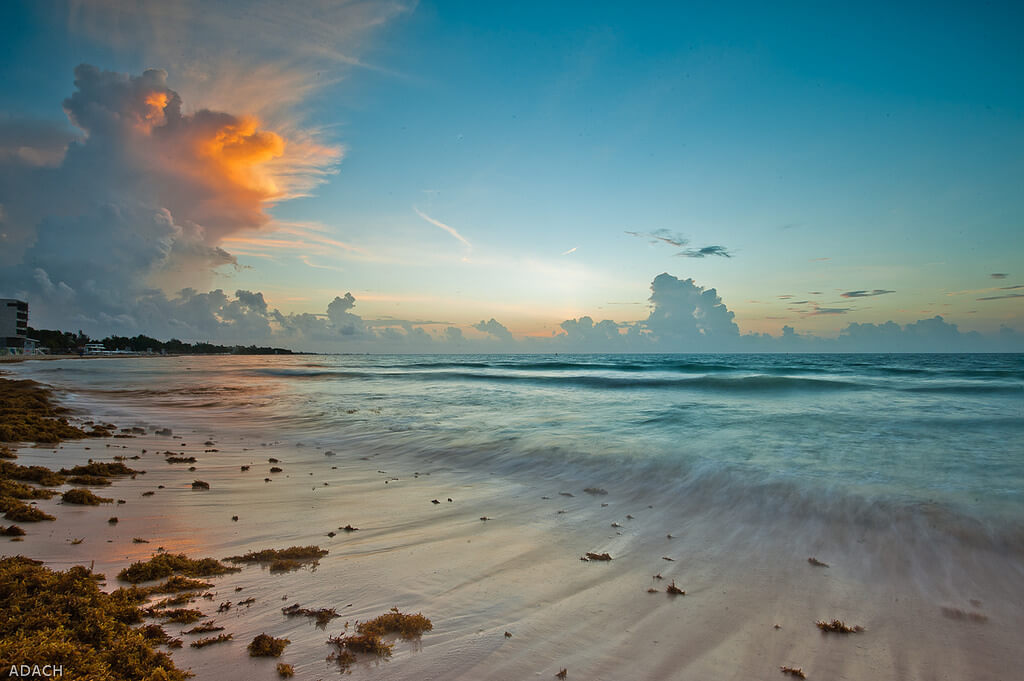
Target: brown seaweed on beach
{"x":838,"y":627}
{"x":794,"y":671}
{"x":245,"y":468}
{"x":113,"y":520}
{"x":28,"y":414}
{"x":148,"y":494}
{"x":265,"y":645}
{"x":200,"y":484}
{"x":203,"y":642}
{"x":181,"y":615}
{"x":83,"y":497}
{"x":99,"y":469}
{"x":369,"y":635}
{"x":19,"y":511}
{"x":89,"y":481}
{"x":816,"y":563}
{"x":180,"y":459}
{"x":285,"y":671}
{"x":349,"y":528}
{"x":166,"y":564}
{"x":671,"y":560}
{"x":652,"y":590}
{"x":275,"y":469}
{"x":282,"y":560}
{"x":12,"y":531}
{"x":598,"y":556}
{"x":562,"y":674}
{"x":139,"y":540}
{"x":64,"y":617}
{"x":322,"y":615}
{"x":204,"y":628}
{"x":674,"y":590}
{"x":596,"y":491}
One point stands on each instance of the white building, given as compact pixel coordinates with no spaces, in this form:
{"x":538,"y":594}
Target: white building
{"x":13,"y":323}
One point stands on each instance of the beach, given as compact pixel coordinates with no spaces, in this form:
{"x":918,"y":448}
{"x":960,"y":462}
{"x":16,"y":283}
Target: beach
{"x":464,"y":521}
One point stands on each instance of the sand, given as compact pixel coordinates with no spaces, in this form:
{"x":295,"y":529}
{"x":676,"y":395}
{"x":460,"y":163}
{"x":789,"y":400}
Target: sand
{"x":751,"y":600}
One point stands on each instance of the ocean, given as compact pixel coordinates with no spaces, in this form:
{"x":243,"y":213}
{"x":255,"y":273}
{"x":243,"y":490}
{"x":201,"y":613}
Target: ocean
{"x":872,"y":437}
{"x":724,"y":473}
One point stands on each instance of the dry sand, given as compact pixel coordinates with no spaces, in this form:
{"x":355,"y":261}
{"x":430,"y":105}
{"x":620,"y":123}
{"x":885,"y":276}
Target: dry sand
{"x":750,"y":606}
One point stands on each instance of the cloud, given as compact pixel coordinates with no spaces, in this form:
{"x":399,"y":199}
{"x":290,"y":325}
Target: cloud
{"x":1011,"y":288}
{"x":704,"y":252}
{"x":33,"y":143}
{"x":1008,"y":295}
{"x":865,"y":294}
{"x":663,"y":236}
{"x":571,"y":250}
{"x":447,"y":228}
{"x":999,"y":275}
{"x":828,"y":310}
{"x":494,"y":328}
{"x":144,"y":196}
{"x":685,"y":312}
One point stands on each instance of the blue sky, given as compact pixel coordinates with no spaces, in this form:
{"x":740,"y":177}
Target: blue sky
{"x":520,"y":161}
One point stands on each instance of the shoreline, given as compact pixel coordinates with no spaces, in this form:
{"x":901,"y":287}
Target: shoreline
{"x":519,"y":571}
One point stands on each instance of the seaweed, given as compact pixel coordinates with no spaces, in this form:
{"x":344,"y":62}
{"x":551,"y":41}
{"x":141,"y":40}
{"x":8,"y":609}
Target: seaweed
{"x":816,"y":563}
{"x":674,"y":590}
{"x":562,"y":674}
{"x":203,"y":642}
{"x":282,"y":560}
{"x":37,"y":474}
{"x":105,"y":470}
{"x":166,"y":564}
{"x":838,"y":627}
{"x":7,"y":453}
{"x":65,"y":617}
{"x":322,"y":615}
{"x":89,"y":480}
{"x":113,"y":520}
{"x":369,"y":635}
{"x":154,"y":633}
{"x":276,"y":469}
{"x":596,"y":491}
{"x":793,"y":671}
{"x":19,"y":511}
{"x":285,"y":671}
{"x":267,"y":646}
{"x":180,"y":459}
{"x":19,"y":490}
{"x":12,"y":531}
{"x":182,"y":615}
{"x":597,"y":556}
{"x":204,"y":628}
{"x":83,"y":497}
{"x":200,"y":484}
{"x":28,"y":414}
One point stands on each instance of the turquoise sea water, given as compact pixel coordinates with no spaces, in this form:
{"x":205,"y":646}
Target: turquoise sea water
{"x":861,"y":439}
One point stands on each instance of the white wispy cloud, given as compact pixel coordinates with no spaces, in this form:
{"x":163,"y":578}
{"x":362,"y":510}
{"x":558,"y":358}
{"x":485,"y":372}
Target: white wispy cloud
{"x":448,"y":228}
{"x":571,"y":250}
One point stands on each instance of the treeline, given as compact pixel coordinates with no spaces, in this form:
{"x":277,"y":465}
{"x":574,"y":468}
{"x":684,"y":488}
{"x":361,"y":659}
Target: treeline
{"x":65,"y":342}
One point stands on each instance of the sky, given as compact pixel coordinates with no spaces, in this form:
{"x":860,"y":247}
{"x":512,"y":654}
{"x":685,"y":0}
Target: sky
{"x":465,"y":176}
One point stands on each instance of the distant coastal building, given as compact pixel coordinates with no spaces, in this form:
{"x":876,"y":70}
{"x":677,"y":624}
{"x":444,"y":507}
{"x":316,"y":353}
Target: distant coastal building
{"x":95,"y":348}
{"x":14,"y":326}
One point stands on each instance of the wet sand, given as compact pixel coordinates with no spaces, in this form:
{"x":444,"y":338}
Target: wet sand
{"x":751,"y":600}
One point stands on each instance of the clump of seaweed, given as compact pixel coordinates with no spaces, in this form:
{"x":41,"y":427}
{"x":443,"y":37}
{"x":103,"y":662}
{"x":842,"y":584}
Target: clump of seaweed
{"x":7,"y":453}
{"x":203,"y":642}
{"x":838,"y":627}
{"x":19,"y":490}
{"x":89,"y":480}
{"x":37,"y":474}
{"x":369,"y":635}
{"x":597,"y":556}
{"x":674,"y":590}
{"x":267,"y":646}
{"x":596,"y":491}
{"x":562,"y":674}
{"x":958,"y":614}
{"x":113,"y":520}
{"x":200,"y":484}
{"x":12,"y":531}
{"x":322,"y":615}
{"x":180,"y":459}
{"x":282,"y":560}
{"x":285,"y":671}
{"x":65,"y":617}
{"x":28,"y":414}
{"x":181,"y":615}
{"x":204,"y":628}
{"x":83,"y":497}
{"x":276,"y":469}
{"x":793,"y":671}
{"x":816,"y":563}
{"x":19,"y":511}
{"x":166,"y":564}
{"x":154,"y":633}
{"x":103,"y":470}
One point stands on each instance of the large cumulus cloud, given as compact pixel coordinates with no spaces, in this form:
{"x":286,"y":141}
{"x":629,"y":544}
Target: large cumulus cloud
{"x":143,"y":194}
